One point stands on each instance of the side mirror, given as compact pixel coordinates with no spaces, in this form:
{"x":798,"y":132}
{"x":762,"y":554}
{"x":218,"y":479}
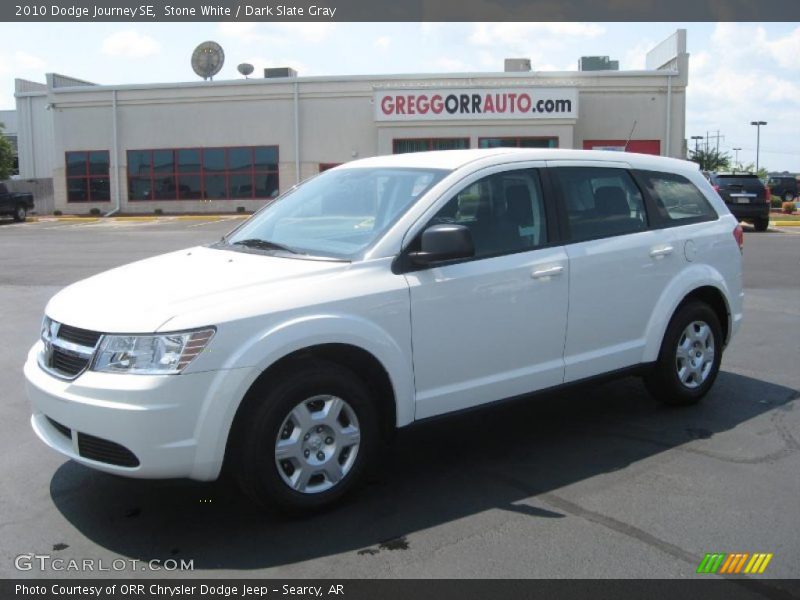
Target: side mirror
{"x":443,"y":242}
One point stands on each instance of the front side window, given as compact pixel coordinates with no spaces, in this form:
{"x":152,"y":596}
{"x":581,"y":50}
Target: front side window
{"x":677,"y":200}
{"x":600,"y":202}
{"x":504,"y":213}
{"x":88,"y":176}
{"x":337,"y":214}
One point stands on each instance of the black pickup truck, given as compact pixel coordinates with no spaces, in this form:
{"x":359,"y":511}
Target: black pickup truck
{"x":13,"y":204}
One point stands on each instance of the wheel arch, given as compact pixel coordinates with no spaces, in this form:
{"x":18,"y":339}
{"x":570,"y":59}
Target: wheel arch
{"x":704,"y":284}
{"x":354,"y":358}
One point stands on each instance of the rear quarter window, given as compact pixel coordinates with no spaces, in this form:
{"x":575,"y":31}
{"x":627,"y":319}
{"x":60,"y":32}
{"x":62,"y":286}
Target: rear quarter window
{"x":677,"y":200}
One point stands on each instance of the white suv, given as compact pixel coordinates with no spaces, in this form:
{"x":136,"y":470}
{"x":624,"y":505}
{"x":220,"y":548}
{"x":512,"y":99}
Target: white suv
{"x":382,"y":292}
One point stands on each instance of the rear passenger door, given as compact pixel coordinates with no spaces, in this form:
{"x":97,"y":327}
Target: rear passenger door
{"x":619,"y":266}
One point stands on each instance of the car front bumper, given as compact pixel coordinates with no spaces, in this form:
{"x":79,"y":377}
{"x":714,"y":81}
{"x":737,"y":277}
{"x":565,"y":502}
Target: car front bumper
{"x":146,"y":426}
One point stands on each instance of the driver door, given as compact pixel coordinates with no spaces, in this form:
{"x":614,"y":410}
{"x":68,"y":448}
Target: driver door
{"x":492,"y":326}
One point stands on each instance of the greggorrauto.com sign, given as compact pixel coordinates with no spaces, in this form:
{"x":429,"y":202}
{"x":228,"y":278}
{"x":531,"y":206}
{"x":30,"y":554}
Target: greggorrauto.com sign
{"x":470,"y":104}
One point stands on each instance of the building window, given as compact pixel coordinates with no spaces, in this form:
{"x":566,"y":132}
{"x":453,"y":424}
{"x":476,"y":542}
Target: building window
{"x":246,"y":172}
{"x":425,"y":144}
{"x":87,"y":176}
{"x":518,"y":142}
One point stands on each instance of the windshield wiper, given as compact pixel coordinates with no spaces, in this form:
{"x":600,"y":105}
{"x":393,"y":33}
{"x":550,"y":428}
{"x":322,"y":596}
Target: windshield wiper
{"x":263,"y":245}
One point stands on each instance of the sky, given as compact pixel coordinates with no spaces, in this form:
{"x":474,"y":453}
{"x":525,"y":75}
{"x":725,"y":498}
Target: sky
{"x":738,"y":72}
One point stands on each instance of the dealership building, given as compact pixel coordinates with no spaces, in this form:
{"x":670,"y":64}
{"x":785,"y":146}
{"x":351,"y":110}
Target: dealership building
{"x":223,"y":146}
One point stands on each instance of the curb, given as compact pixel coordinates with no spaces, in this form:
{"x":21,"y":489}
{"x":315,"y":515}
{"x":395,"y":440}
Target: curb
{"x":76,"y":219}
{"x":785,"y":223}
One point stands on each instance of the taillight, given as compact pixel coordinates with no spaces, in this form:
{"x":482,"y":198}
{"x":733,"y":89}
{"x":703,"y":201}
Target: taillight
{"x":738,"y":235}
{"x":716,"y":188}
{"x":768,"y":193}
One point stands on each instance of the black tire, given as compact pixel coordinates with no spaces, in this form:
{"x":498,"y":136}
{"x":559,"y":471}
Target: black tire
{"x":663,"y":382}
{"x":788,"y":197}
{"x":268,"y":406}
{"x":20,"y":213}
{"x":761,"y":224}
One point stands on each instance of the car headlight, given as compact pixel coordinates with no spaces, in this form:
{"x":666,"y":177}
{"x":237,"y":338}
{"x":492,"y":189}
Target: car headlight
{"x":164,"y":354}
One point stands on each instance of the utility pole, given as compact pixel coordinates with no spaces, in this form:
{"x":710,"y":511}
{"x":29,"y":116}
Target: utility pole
{"x":736,"y":160}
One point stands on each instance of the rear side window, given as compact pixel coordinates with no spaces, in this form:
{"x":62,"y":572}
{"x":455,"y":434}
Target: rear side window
{"x":677,"y":200}
{"x":600,"y":202}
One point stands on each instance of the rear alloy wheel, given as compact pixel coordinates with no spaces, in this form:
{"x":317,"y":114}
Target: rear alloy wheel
{"x":307,"y":437}
{"x":20,"y":214}
{"x":761,"y":224}
{"x":690,"y":356}
{"x":788,"y":197}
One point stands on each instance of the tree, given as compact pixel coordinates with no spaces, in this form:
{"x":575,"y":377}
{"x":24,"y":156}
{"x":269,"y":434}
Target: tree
{"x":763,"y":172}
{"x":711,"y":159}
{"x":6,"y":155}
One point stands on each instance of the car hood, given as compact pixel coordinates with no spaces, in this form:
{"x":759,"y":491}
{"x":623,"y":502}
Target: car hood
{"x":142,"y":296}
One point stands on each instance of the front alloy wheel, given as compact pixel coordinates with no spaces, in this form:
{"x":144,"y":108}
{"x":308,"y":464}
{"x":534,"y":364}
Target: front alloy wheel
{"x":305,"y":436}
{"x":317,"y":444}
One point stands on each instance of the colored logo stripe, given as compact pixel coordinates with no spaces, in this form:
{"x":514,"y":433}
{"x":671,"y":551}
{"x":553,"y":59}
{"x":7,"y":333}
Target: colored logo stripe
{"x":734,"y":563}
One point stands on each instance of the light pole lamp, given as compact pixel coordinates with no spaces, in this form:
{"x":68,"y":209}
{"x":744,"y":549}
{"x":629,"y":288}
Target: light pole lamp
{"x":758,"y":125}
{"x":736,"y":159}
{"x":696,"y":139}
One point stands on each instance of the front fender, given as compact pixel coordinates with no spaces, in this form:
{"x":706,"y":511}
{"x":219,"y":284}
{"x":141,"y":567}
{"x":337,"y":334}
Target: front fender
{"x":692,"y":277}
{"x":268,"y":346}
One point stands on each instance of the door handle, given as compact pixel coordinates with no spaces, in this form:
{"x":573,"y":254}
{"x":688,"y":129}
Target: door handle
{"x":547,"y":272}
{"x":661,"y":251}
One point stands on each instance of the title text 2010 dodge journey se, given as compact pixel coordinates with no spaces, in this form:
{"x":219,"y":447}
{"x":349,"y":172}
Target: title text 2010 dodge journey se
{"x":381,"y":292}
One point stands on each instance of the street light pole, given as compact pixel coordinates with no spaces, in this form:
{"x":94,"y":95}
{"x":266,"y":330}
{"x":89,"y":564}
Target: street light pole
{"x":736,"y":160}
{"x":758,"y":125}
{"x":696,"y":139}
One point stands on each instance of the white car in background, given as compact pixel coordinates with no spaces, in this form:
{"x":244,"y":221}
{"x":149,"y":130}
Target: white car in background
{"x":382,"y":292}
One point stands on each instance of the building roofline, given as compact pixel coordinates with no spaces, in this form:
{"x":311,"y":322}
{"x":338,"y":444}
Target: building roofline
{"x":524,"y":75}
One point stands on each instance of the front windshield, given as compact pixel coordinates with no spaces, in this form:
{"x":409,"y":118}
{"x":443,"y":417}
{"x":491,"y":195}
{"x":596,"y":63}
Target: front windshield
{"x":337,"y":214}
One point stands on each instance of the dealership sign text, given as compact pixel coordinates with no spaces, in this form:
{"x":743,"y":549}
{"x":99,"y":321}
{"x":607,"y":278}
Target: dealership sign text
{"x":469,"y":104}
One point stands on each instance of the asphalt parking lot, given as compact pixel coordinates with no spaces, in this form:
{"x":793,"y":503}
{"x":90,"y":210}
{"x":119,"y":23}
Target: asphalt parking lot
{"x":599,"y":481}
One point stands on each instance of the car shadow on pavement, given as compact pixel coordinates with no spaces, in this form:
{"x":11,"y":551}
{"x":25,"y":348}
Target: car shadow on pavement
{"x":506,"y":457}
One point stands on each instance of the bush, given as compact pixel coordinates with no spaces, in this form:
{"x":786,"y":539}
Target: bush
{"x":57,"y":213}
{"x":787,"y":208}
{"x":94,"y":211}
{"x":158,"y":211}
{"x":775,"y":202}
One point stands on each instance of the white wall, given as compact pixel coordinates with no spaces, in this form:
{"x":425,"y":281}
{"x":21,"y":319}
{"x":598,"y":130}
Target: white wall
{"x":336,"y":121}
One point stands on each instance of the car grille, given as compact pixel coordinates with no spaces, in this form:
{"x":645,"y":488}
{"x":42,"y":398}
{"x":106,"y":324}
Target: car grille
{"x":68,"y":364}
{"x":95,"y":448}
{"x":68,"y":350}
{"x":62,"y":429}
{"x":82,"y":337}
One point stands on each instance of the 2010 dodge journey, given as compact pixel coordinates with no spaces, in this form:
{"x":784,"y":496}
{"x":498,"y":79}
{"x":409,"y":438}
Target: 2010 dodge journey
{"x":382,"y":292}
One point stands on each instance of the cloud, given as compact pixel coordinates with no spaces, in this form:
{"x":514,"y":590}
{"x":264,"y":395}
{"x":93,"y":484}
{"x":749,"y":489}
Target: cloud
{"x":383,"y":42}
{"x":487,"y":34}
{"x":786,"y":50}
{"x":450,"y":64}
{"x":277,"y":33}
{"x":130,"y":44}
